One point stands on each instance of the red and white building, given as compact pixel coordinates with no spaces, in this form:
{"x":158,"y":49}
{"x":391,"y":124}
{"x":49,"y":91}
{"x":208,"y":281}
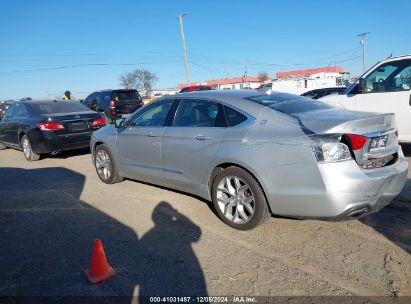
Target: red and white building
{"x":235,"y":83}
{"x":300,"y":81}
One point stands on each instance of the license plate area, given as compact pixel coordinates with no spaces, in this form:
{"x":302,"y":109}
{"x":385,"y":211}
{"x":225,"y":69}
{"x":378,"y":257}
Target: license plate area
{"x":378,"y":143}
{"x":77,"y":126}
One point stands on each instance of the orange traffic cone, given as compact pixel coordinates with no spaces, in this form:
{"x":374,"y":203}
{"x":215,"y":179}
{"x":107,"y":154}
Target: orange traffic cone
{"x":99,"y":270}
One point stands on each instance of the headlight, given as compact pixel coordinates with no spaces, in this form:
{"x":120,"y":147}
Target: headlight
{"x":331,"y":152}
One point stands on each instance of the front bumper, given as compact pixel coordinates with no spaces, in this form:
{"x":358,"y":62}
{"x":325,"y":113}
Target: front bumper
{"x":339,"y":191}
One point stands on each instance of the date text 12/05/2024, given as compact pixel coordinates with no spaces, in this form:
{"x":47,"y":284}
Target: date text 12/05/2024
{"x":221,"y":299}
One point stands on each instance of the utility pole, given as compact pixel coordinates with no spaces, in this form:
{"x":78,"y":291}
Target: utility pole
{"x":363,"y":36}
{"x":180,"y":19}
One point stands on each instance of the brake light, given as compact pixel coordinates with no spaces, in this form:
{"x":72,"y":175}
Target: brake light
{"x":355,"y":141}
{"x":396,"y":133}
{"x":50,"y":126}
{"x":99,"y":122}
{"x":112,"y":105}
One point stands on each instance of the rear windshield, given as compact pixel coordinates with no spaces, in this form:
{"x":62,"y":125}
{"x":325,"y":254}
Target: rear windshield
{"x":126,"y":95}
{"x":288,"y":103}
{"x":58,"y":107}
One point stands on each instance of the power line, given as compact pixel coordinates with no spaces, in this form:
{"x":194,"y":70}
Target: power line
{"x":83,"y":65}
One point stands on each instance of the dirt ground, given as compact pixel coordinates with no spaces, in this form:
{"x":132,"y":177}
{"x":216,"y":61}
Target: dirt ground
{"x":164,"y":243}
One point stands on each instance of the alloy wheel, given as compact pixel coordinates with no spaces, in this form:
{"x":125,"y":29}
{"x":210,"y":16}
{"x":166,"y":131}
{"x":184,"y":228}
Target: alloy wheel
{"x":103,"y":164}
{"x":26,"y":148}
{"x":235,"y":199}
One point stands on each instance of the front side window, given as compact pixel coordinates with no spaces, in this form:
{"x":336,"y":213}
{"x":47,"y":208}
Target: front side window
{"x":199,"y":113}
{"x":152,"y":117}
{"x":89,"y":99}
{"x":9,"y":112}
{"x":390,"y":77}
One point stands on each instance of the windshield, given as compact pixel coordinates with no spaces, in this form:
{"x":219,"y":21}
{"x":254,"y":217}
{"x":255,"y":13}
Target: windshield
{"x":126,"y":95}
{"x":288,"y":103}
{"x":58,"y":107}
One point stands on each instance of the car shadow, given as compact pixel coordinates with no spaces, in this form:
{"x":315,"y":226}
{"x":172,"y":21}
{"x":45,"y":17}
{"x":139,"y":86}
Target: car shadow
{"x":393,"y":221}
{"x":47,"y":235}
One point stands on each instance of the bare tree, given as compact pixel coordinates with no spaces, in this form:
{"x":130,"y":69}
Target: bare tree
{"x":263,"y":75}
{"x":128,"y":80}
{"x":141,"y":80}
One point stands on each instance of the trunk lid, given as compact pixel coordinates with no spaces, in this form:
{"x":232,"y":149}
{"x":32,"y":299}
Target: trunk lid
{"x":381,"y":144}
{"x":74,"y":122}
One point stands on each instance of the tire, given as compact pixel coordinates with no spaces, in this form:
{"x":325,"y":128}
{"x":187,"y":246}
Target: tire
{"x":105,"y":166}
{"x":27,"y":151}
{"x":238,"y":199}
{"x":2,"y":147}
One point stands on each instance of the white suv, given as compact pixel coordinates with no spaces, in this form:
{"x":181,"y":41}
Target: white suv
{"x":383,"y":88}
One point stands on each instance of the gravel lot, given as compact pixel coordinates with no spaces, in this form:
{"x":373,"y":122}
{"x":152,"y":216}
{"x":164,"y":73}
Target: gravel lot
{"x":161,"y":242}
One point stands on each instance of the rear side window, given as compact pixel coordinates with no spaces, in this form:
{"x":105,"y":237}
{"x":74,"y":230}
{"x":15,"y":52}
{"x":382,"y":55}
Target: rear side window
{"x":20,"y":111}
{"x":58,"y":107}
{"x":126,"y":95}
{"x":234,"y":117}
{"x":105,"y":99}
{"x":199,"y":113}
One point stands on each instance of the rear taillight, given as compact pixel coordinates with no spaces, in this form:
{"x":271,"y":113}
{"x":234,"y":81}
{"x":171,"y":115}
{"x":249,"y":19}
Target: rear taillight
{"x":355,"y":141}
{"x":99,"y":122}
{"x":50,"y":126}
{"x":331,"y":152}
{"x":396,"y":133}
{"x":112,"y":105}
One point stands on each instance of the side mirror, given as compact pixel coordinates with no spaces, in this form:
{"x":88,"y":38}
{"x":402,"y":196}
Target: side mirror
{"x":361,"y":84}
{"x":119,"y":123}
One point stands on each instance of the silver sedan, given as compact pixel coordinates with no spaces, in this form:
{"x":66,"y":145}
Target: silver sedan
{"x":255,"y":154}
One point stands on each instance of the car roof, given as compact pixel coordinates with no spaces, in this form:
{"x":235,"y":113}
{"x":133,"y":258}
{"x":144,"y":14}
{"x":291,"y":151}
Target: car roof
{"x":44,"y":101}
{"x":109,"y":90}
{"x":198,"y":86}
{"x":234,"y":98}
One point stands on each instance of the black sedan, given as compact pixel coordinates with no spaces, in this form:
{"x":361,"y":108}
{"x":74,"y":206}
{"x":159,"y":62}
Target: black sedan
{"x":47,"y":127}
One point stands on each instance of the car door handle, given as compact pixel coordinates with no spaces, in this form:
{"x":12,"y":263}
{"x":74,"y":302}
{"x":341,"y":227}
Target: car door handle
{"x":410,"y":100}
{"x":202,"y":137}
{"x":152,"y":134}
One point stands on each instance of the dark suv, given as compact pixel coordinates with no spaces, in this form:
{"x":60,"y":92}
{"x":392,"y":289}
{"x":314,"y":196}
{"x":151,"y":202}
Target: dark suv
{"x":114,"y":103}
